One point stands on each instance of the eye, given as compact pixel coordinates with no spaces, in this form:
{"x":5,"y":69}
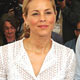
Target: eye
{"x":35,"y":14}
{"x":12,"y":27}
{"x":48,"y":12}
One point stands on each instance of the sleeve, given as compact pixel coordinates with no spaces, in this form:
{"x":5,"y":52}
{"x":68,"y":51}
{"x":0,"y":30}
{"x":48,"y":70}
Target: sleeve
{"x":2,"y":66}
{"x":70,"y":71}
{"x":77,"y":74}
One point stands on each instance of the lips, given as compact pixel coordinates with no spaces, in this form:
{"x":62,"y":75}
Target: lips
{"x":43,"y":26}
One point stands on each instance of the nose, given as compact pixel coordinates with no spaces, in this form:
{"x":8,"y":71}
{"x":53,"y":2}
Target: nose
{"x":9,"y":30}
{"x":42,"y":18}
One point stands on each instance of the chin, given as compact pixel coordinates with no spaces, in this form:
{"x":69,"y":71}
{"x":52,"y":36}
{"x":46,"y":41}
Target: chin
{"x":44,"y":34}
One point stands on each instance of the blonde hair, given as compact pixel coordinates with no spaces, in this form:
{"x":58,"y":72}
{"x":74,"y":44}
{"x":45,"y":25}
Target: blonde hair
{"x":25,"y":13}
{"x":26,"y":32}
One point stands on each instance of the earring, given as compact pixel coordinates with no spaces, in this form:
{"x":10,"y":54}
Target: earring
{"x":26,"y":26}
{"x":26,"y":30}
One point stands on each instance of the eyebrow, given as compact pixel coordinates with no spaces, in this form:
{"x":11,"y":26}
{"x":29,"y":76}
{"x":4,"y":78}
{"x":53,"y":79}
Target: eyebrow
{"x":38,"y":11}
{"x":47,"y":9}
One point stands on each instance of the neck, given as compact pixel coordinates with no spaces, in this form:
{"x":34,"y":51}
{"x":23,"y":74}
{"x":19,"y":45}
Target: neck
{"x":38,"y":44}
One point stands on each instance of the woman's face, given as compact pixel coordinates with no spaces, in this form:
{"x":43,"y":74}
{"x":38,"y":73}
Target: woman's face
{"x":9,"y":30}
{"x":41,"y":17}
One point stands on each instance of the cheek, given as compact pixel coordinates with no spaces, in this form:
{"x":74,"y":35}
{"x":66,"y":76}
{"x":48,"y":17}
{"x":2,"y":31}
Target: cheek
{"x":33,"y":21}
{"x":5,"y":32}
{"x":14,"y":30}
{"x":52,"y":20}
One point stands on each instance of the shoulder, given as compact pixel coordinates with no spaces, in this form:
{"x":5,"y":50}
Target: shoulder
{"x":64,"y":54}
{"x":10,"y":48}
{"x":11,"y":44}
{"x":11,"y":52}
{"x":62,"y":50}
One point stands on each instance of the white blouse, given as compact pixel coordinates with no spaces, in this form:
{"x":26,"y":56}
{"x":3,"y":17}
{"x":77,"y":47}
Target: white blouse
{"x":59,"y":63}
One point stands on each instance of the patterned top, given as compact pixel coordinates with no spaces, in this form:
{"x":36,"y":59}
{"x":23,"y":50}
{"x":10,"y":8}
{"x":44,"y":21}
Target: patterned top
{"x":59,"y":64}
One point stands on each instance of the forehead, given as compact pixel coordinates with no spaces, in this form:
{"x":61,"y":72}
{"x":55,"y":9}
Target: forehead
{"x":7,"y":24}
{"x":39,"y":4}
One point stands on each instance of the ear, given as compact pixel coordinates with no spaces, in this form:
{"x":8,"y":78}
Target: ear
{"x":25,"y":19}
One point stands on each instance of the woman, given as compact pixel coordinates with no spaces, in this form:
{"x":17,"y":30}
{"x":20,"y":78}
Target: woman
{"x":37,"y":57}
{"x":9,"y":25}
